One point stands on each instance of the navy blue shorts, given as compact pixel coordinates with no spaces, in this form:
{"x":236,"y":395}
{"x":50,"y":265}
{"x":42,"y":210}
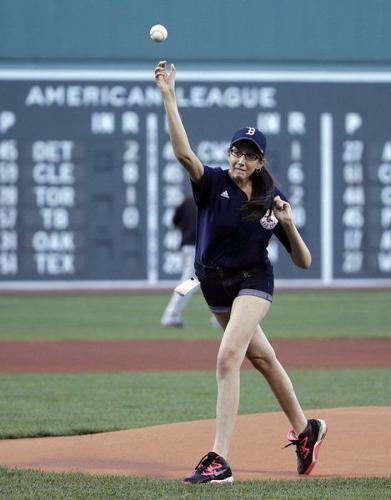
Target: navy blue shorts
{"x":220,"y":287}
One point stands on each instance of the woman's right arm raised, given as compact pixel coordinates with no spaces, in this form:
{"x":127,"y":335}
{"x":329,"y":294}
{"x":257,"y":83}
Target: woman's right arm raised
{"x":179,"y":140}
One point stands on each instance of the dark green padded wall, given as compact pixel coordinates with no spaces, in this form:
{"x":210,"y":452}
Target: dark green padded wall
{"x":245,"y":32}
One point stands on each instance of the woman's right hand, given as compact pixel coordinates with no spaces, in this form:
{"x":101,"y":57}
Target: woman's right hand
{"x":165,"y":82}
{"x":179,"y":140}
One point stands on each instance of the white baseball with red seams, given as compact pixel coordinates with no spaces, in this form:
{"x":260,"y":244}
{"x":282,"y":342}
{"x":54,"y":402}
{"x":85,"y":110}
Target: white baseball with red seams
{"x":158,"y":33}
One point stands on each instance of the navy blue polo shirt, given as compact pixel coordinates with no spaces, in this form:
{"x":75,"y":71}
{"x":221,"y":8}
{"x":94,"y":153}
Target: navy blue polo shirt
{"x":224,"y":237}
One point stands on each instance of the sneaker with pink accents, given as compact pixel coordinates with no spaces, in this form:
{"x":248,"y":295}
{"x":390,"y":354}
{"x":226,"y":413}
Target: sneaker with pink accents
{"x":307,"y":444}
{"x":213,"y":469}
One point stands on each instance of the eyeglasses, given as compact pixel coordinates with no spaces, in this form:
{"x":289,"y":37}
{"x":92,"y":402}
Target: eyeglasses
{"x":248,"y":156}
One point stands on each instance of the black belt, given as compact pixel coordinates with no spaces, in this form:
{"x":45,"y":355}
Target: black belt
{"x":224,"y":273}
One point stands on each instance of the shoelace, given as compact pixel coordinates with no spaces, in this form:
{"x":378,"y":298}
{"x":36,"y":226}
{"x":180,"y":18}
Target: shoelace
{"x":301,"y":448}
{"x":204,"y":462}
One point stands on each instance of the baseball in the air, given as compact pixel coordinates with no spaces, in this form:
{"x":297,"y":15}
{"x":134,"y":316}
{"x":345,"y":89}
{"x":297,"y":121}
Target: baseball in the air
{"x":158,"y":33}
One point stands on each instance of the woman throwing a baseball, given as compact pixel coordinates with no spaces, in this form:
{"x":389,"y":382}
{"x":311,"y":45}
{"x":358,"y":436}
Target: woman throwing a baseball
{"x":238,"y":210}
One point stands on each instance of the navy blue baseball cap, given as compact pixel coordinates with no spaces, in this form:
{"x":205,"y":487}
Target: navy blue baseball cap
{"x":250,"y":134}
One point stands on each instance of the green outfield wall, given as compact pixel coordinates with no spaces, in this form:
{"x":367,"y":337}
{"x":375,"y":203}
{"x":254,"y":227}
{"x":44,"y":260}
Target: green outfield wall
{"x":88,"y":180}
{"x":249,"y":32}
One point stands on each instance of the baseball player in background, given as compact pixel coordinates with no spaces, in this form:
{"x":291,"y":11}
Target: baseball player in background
{"x":238,"y":211}
{"x":185,"y":220}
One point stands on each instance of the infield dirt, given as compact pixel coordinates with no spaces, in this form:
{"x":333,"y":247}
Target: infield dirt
{"x":354,"y":446}
{"x":160,"y":355}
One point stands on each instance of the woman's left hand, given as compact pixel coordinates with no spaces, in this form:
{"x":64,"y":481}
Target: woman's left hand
{"x":282,"y":210}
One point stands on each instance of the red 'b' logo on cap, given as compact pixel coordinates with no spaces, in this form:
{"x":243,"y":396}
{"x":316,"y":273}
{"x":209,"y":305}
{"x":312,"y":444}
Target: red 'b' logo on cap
{"x":250,"y":131}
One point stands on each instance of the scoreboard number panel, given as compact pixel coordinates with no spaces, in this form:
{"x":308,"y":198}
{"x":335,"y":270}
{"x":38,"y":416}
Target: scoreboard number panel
{"x":89,"y":182}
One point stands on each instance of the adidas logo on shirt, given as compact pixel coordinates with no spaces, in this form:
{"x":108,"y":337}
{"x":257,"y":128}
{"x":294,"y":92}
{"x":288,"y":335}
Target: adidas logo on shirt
{"x":225,"y":194}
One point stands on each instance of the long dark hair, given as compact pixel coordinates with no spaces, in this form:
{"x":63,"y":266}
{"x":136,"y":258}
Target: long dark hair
{"x":261,"y":201}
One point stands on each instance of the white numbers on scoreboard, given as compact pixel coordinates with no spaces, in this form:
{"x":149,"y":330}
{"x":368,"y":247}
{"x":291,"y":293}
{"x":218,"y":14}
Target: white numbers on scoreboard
{"x":89,"y":182}
{"x":294,"y":124}
{"x":296,"y":178}
{"x":9,"y":175}
{"x":173,"y":178}
{"x":353,"y":198}
{"x":131,"y":177}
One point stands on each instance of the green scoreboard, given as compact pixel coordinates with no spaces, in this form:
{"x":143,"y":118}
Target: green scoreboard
{"x":89,"y":183}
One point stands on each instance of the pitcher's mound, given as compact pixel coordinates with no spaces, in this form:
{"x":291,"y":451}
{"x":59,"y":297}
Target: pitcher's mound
{"x":356,"y":445}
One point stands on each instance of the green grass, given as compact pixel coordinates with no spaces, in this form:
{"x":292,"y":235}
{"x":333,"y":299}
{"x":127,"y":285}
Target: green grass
{"x":131,"y":316}
{"x":63,"y":404}
{"x":29,"y":485}
{"x":41,"y":405}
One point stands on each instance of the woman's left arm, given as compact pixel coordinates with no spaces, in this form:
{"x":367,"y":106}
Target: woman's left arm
{"x":300,"y":254}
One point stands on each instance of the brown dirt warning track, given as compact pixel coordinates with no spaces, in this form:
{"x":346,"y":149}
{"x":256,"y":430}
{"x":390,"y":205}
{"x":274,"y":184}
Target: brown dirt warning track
{"x":356,"y":444}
